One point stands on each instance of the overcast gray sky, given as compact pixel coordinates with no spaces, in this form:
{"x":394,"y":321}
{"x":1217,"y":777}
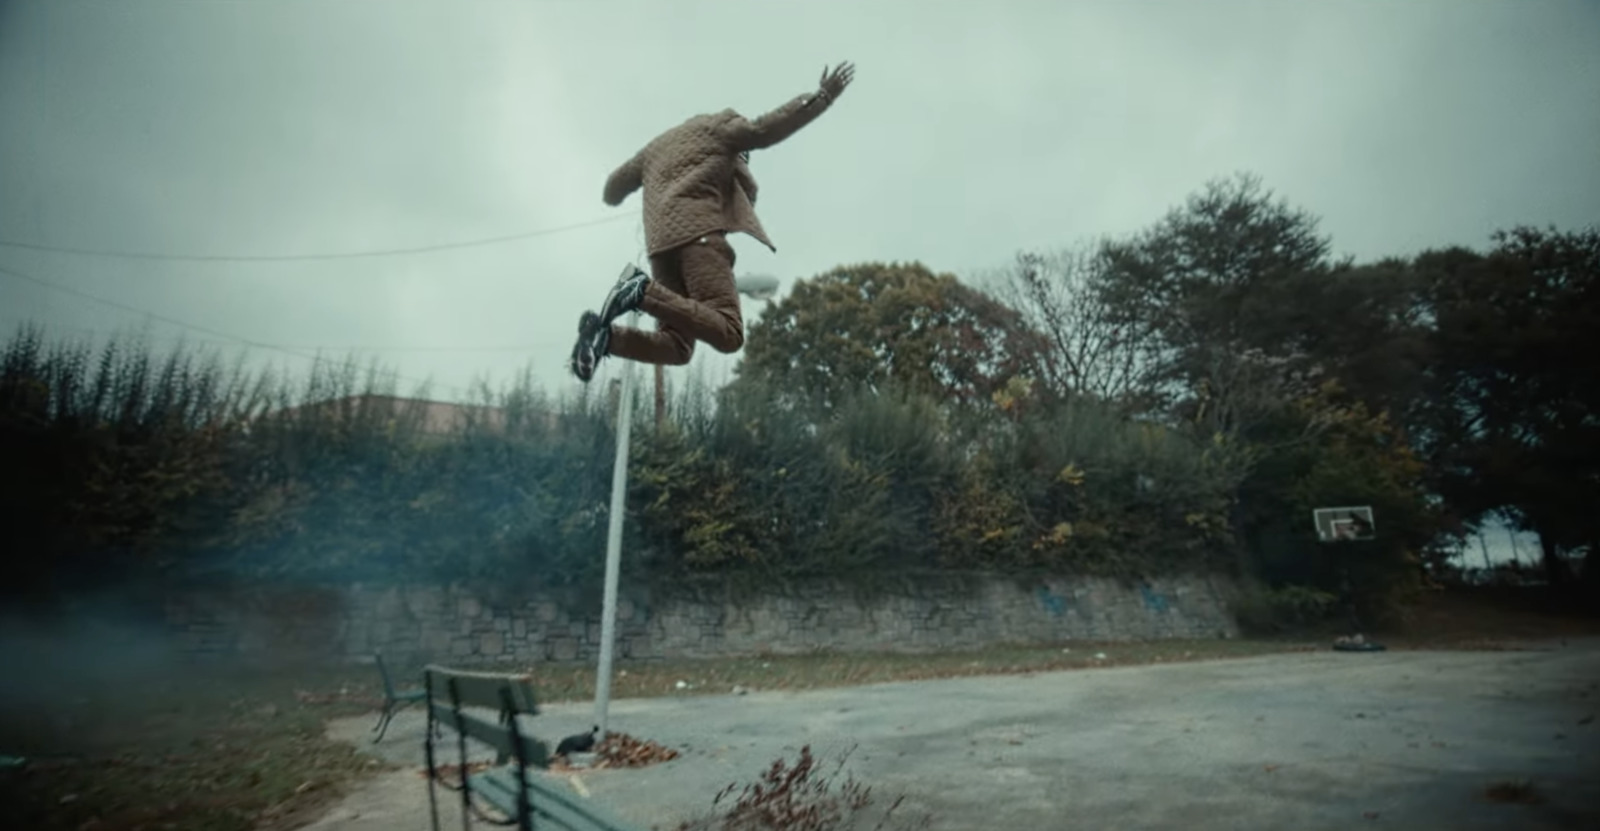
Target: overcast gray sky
{"x":973,"y":130}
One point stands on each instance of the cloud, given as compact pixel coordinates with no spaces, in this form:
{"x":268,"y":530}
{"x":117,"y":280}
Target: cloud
{"x":972,"y":131}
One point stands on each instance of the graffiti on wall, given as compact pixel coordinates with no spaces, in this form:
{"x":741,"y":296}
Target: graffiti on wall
{"x":1053,"y":603}
{"x":1153,"y":600}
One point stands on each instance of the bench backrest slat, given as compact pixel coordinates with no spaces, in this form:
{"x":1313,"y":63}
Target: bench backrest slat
{"x":551,"y":804}
{"x":554,"y":805}
{"x":483,"y":689}
{"x":497,"y":736}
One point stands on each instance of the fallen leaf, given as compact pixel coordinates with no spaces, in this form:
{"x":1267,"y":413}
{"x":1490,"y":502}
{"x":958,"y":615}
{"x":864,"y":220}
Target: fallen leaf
{"x":1516,"y":791}
{"x":452,"y":772}
{"x":623,"y":750}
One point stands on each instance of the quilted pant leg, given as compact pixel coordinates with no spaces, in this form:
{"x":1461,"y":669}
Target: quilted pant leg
{"x":665,"y":345}
{"x":693,"y":298}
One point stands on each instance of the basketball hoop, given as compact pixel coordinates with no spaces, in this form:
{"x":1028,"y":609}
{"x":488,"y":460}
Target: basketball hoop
{"x":1347,"y":524}
{"x":1353,"y":523}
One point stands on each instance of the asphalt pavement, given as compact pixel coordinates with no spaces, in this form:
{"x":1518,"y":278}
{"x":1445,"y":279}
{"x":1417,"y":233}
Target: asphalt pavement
{"x":1323,"y":740}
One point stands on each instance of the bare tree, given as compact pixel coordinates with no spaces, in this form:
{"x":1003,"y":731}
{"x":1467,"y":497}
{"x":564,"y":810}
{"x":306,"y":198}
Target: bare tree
{"x":1238,"y":389}
{"x":1060,"y":294}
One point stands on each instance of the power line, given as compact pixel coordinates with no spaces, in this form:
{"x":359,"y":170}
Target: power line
{"x":337,"y":347}
{"x":324,"y":347}
{"x":186,"y":325}
{"x":346,"y":255}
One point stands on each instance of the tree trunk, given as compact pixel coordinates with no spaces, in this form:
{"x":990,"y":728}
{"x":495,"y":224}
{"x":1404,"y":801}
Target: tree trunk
{"x":661,"y":395}
{"x":1589,"y":577}
{"x":1556,"y":569}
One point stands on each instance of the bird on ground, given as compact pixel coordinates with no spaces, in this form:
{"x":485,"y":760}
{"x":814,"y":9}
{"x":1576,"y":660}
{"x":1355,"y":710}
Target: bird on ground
{"x":578,"y":743}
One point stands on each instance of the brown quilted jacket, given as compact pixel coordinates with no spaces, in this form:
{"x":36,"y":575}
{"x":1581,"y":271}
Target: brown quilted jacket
{"x":694,"y":180}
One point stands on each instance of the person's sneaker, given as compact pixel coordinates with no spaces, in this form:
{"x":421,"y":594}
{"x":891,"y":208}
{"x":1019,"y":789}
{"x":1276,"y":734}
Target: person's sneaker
{"x":594,"y":340}
{"x":626,"y":295}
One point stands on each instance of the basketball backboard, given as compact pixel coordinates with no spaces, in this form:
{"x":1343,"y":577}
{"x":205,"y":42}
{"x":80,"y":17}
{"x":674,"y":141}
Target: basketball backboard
{"x":1344,"y":524}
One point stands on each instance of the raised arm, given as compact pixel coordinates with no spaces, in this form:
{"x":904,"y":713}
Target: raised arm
{"x":625,"y":180}
{"x":775,"y":126}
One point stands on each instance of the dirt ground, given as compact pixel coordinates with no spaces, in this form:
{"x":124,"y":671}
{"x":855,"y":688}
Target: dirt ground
{"x":1323,"y":740}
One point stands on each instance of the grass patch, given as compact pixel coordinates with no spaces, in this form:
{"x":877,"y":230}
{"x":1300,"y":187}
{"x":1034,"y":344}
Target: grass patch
{"x":823,"y":670}
{"x":1478,"y":618}
{"x":232,"y":748}
{"x":1471,"y":618}
{"x":214,"y":749}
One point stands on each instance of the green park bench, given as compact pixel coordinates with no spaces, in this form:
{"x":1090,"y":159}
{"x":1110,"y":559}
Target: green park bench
{"x":513,"y":785}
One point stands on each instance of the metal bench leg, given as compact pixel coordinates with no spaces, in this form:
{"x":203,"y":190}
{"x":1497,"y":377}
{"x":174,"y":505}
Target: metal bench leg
{"x":382,"y":726}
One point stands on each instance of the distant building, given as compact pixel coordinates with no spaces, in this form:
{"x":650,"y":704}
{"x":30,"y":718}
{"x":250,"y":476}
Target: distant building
{"x":432,"y":417}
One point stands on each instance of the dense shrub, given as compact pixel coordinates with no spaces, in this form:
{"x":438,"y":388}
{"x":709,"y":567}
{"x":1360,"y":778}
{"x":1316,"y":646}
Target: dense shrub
{"x":1073,"y":485}
{"x":120,"y":465}
{"x":1260,"y":610}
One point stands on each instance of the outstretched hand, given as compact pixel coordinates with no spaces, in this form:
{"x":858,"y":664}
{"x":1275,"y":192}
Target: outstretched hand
{"x":835,"y":80}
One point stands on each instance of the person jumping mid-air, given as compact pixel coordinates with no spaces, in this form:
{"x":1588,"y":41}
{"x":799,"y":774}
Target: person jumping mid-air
{"x":697,"y":190}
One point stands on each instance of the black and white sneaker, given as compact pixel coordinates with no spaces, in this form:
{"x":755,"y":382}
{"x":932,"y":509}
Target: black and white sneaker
{"x":594,"y":341}
{"x":626,"y":295}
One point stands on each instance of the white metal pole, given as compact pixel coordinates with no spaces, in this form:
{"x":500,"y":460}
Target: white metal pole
{"x":761,"y":286}
{"x":619,"y":487}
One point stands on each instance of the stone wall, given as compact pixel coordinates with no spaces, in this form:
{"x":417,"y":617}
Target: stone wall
{"x":455,"y":625}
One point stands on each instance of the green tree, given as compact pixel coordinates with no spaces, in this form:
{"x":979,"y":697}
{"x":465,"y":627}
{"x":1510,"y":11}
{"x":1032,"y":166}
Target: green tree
{"x":1262,"y":338}
{"x":1360,"y":457}
{"x":1210,"y":283}
{"x":1365,"y":326}
{"x":1510,"y":416}
{"x":872,"y":324}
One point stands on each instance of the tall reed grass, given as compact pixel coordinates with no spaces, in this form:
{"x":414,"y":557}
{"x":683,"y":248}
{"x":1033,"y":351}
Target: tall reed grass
{"x":120,"y":463}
